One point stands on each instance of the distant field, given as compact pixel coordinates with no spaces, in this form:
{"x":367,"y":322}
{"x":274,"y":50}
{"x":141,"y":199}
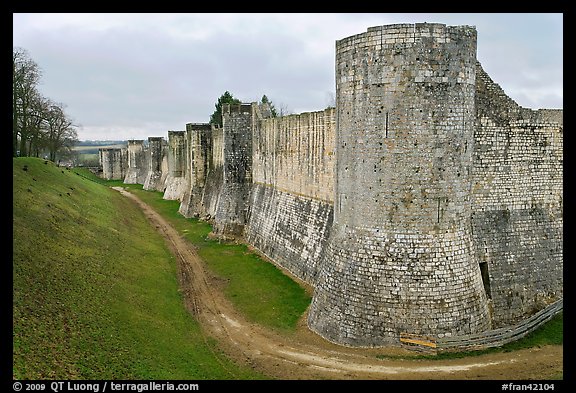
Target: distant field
{"x":88,"y":154}
{"x":93,"y":149}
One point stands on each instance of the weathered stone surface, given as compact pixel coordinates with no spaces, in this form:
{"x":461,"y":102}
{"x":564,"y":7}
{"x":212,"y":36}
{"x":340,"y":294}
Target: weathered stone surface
{"x":400,"y":252}
{"x":176,"y":155}
{"x":231,"y":209}
{"x":517,"y":198}
{"x":427,"y":202}
{"x":113,"y":162}
{"x":137,"y":164}
{"x":295,"y":153}
{"x":199,"y":165}
{"x":290,"y":229}
{"x":157,"y":164}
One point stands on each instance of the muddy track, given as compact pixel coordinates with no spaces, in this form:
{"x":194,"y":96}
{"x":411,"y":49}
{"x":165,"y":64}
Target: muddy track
{"x":305,"y":355}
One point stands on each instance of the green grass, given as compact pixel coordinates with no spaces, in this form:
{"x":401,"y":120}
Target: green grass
{"x":88,"y":158}
{"x":257,"y":288}
{"x":95,"y":291}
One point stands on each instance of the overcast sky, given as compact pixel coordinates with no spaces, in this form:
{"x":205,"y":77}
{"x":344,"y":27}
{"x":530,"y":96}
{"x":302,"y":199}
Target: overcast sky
{"x":132,"y":76}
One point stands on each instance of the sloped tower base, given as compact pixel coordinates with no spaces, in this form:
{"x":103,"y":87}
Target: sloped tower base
{"x":374,"y":286}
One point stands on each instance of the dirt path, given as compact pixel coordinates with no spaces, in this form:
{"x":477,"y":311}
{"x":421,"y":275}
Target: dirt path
{"x":305,"y":355}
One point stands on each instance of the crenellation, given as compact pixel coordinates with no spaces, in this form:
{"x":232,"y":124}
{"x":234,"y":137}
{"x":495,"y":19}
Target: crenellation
{"x":427,"y":202}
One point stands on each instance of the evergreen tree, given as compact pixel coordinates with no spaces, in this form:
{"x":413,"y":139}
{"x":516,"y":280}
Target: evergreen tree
{"x":273,"y":110}
{"x":226,"y":98}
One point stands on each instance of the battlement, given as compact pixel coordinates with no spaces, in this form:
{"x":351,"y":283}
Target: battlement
{"x":199,"y":126}
{"x":236,"y":108}
{"x":400,"y":35}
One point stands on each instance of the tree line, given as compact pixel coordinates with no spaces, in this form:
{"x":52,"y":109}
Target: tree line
{"x":40,"y":125}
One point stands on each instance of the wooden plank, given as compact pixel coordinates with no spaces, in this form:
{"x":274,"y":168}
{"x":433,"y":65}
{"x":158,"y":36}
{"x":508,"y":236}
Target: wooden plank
{"x":417,"y":340}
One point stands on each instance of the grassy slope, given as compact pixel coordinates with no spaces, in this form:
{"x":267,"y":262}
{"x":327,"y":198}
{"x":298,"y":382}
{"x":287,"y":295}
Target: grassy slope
{"x":95,"y":294}
{"x":257,"y":288}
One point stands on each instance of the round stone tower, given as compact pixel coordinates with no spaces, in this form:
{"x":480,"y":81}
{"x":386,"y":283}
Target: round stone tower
{"x":400,"y":256}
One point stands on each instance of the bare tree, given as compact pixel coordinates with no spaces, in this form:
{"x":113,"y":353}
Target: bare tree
{"x":36,"y":114}
{"x":39,"y":124}
{"x":283,"y":110}
{"x":60,"y":132}
{"x":26,"y":75}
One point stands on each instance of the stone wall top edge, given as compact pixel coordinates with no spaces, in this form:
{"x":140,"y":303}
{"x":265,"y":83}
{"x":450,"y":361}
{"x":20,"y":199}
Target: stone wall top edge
{"x":198,"y":127}
{"x":416,"y":30}
{"x":323,"y":111}
{"x":236,"y":108}
{"x":541,"y":116}
{"x":197,"y":124}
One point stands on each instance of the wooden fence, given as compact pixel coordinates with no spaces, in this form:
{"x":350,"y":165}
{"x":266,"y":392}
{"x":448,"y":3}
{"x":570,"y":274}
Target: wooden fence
{"x":488,"y":339}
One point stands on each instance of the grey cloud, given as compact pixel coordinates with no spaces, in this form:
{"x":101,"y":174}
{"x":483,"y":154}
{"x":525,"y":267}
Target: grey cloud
{"x":144,"y":78}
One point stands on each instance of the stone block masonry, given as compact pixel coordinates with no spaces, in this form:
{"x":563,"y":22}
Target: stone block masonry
{"x":427,"y":203}
{"x":400,"y":250}
{"x":231,"y":210}
{"x":157,"y":164}
{"x":199,"y":166}
{"x":290,"y":229}
{"x":137,"y":164}
{"x":176,"y":155}
{"x":296,"y":153}
{"x":214,"y":181}
{"x":113,"y":162}
{"x":517,"y":196}
{"x":291,"y":200}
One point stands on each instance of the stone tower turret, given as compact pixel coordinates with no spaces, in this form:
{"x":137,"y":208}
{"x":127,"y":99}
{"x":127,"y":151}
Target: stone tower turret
{"x":136,"y":170}
{"x":113,"y":162}
{"x":400,"y":255}
{"x":176,"y":157}
{"x":155,"y":156}
{"x":237,"y":169}
{"x":199,"y":151}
